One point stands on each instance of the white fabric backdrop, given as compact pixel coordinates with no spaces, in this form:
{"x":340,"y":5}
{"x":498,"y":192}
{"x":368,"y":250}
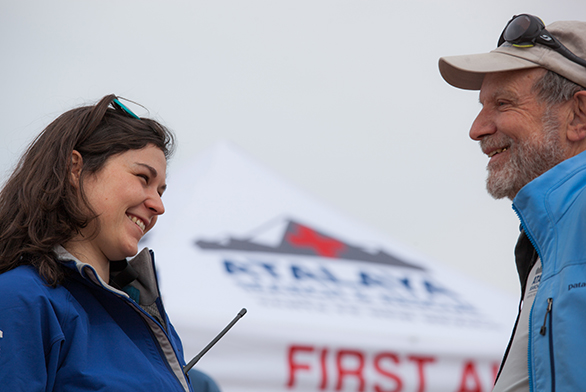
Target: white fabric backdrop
{"x":314,"y":323}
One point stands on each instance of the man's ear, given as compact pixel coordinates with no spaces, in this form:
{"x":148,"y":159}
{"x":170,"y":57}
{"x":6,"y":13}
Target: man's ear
{"x":577,"y":126}
{"x":76,"y":166}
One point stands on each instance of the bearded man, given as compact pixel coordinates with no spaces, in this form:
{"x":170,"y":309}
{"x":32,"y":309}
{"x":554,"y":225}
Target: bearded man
{"x":532,"y":127}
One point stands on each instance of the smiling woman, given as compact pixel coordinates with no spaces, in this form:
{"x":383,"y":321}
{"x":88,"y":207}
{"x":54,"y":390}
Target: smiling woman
{"x":126,"y":198}
{"x":75,"y":314}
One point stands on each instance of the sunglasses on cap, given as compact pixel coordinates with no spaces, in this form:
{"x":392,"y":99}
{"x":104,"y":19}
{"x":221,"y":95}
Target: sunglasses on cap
{"x":524,"y":31}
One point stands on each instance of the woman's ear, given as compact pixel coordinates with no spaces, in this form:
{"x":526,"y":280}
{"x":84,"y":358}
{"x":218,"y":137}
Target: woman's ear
{"x":577,"y":127}
{"x":76,"y":166}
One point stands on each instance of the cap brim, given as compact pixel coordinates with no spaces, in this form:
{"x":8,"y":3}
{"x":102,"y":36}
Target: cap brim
{"x":467,"y":72}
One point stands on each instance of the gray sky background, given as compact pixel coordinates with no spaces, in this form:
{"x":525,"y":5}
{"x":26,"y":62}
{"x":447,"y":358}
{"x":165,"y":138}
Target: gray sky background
{"x":342,"y":98}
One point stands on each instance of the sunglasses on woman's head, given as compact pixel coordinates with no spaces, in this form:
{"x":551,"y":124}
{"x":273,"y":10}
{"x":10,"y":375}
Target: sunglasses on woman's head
{"x":119,"y":105}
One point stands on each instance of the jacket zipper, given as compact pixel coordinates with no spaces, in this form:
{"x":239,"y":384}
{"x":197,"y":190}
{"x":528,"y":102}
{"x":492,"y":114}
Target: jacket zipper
{"x":527,"y":232}
{"x":146,"y":316}
{"x":543,"y":331}
{"x":547,"y":312}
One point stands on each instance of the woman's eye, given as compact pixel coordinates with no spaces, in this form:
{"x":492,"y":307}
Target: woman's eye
{"x":144,"y":177}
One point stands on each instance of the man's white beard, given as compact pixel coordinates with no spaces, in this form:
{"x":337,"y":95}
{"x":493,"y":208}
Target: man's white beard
{"x":527,"y":160}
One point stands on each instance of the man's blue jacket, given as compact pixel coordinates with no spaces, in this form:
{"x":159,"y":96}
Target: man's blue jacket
{"x":552,"y":210}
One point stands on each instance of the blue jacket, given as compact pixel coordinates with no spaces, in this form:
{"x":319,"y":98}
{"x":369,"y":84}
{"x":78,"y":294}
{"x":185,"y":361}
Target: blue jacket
{"x":201,"y":382}
{"x":552,"y":210}
{"x":86,"y":335}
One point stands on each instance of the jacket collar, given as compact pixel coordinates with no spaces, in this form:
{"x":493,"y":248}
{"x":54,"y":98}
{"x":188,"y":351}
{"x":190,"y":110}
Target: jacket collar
{"x":123,"y":273}
{"x":544,"y":201}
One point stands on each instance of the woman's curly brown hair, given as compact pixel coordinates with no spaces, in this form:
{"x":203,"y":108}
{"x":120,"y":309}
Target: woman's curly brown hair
{"x":39,"y":206}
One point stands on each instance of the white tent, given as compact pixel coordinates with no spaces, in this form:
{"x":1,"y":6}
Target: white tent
{"x":332,"y":305}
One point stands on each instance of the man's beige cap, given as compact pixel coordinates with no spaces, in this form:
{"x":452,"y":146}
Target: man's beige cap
{"x":467,"y":72}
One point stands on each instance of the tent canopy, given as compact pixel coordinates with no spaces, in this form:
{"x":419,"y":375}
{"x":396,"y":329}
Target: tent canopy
{"x":332,"y":305}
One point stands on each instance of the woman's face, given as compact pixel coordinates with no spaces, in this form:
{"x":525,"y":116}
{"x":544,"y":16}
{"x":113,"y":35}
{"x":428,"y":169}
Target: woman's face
{"x":126,"y":196}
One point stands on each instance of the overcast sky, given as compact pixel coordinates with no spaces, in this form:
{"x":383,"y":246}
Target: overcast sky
{"x":342,"y":98}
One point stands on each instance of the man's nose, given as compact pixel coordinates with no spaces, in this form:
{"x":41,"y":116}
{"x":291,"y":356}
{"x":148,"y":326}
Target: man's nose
{"x":482,"y":126}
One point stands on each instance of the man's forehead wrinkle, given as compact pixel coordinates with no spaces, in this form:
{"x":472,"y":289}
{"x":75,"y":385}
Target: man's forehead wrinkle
{"x":500,"y":92}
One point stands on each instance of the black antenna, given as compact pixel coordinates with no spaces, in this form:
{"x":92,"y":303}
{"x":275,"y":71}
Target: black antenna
{"x":211,"y":344}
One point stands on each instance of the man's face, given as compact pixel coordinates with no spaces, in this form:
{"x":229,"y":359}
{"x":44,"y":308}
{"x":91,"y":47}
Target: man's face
{"x":517,"y":132}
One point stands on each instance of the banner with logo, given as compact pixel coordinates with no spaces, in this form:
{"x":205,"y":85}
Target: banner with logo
{"x":332,"y":305}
